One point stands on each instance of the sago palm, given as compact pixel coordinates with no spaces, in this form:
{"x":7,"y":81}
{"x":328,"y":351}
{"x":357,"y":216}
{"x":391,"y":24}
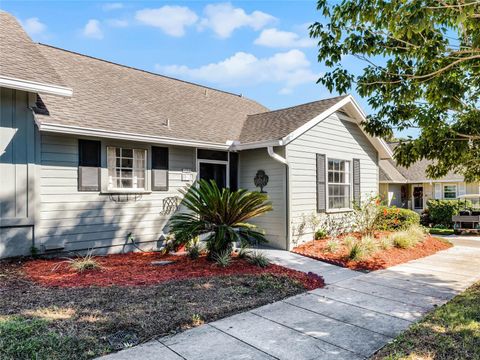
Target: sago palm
{"x":220,"y":215}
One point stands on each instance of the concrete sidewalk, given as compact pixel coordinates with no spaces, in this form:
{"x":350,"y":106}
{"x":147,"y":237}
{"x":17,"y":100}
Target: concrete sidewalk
{"x":351,"y":318}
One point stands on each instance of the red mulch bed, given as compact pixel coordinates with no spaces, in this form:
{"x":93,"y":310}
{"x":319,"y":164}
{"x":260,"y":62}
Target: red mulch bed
{"x":381,"y":259}
{"x":136,"y":269}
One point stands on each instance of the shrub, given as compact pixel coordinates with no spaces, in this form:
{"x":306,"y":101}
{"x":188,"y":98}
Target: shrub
{"x":221,"y":215}
{"x":349,"y":240}
{"x":356,"y":251}
{"x":394,"y":219}
{"x":331,"y":246}
{"x":416,"y":232}
{"x":244,"y":251}
{"x":385,"y":243}
{"x":223,"y":258}
{"x":320,"y":234}
{"x":258,"y":259}
{"x":365,"y":215}
{"x":369,"y":244}
{"x":401,"y":240}
{"x":441,"y":211}
{"x":80,"y":263}
{"x":194,"y":249}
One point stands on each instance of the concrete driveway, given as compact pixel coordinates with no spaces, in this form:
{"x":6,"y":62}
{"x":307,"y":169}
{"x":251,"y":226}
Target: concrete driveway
{"x":351,"y":318}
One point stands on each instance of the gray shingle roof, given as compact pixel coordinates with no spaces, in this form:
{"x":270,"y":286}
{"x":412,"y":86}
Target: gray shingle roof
{"x":389,"y":172}
{"x":279,"y":123}
{"x":417,"y":171}
{"x":109,"y":96}
{"x":20,"y":58}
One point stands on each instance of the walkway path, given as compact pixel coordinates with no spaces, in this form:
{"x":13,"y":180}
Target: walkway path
{"x":351,"y":318}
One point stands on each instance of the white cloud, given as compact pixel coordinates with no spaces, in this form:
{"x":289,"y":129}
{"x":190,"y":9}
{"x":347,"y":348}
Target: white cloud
{"x":92,"y":29}
{"x":116,"y":23}
{"x":171,"y":19}
{"x":112,"y":6}
{"x":33,"y":26}
{"x":223,"y":19}
{"x":289,"y":69}
{"x":282,"y":39}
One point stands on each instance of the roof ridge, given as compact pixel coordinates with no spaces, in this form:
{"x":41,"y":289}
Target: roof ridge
{"x":296,"y":106}
{"x":148,"y":72}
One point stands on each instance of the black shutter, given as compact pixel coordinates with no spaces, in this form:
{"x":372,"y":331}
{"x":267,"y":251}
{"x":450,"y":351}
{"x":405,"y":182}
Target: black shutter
{"x":159,"y":168}
{"x":89,"y":165}
{"x":321,"y":184}
{"x":356,"y":181}
{"x":233,"y":171}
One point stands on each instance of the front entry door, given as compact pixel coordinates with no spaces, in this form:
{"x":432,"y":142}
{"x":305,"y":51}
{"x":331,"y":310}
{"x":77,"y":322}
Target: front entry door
{"x":214,"y":171}
{"x":418,"y":197}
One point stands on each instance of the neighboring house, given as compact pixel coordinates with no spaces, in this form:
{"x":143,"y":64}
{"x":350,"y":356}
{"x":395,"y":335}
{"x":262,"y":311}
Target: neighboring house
{"x":93,"y":154}
{"x":411,"y":188}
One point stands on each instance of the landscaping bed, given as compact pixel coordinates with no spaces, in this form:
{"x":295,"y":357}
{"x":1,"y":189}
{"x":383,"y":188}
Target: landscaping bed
{"x":378,"y":256}
{"x":63,"y":314}
{"x":450,"y":332}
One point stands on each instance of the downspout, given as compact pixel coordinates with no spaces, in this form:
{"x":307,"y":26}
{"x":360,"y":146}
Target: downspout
{"x":283,"y":161}
{"x":275,"y":156}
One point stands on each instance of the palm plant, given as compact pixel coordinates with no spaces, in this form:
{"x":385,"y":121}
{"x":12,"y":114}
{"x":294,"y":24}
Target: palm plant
{"x":220,"y":215}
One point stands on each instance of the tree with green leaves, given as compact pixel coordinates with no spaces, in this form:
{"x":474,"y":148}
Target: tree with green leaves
{"x":422,"y":70}
{"x":220,"y":215}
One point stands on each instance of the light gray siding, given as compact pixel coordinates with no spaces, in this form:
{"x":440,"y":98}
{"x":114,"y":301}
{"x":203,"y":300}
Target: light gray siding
{"x":83,"y":220}
{"x":337,"y":139}
{"x":17,"y":171}
{"x":275,"y":222}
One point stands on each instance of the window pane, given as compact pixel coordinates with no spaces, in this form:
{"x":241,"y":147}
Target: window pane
{"x":127,"y":153}
{"x":126,"y":174}
{"x":127,"y":163}
{"x":126,"y":183}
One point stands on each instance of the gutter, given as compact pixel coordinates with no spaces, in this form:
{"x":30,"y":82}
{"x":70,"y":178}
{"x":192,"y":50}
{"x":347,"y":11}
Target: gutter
{"x":33,"y":86}
{"x":275,"y":156}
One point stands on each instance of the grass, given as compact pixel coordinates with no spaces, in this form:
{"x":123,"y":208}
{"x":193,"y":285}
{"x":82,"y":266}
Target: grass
{"x":41,"y":323}
{"x":438,"y":231}
{"x":258,"y":259}
{"x":450,"y":332}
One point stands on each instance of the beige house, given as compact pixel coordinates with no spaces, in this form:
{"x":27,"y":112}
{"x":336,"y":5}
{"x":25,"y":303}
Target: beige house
{"x":93,"y":154}
{"x":411,"y":188}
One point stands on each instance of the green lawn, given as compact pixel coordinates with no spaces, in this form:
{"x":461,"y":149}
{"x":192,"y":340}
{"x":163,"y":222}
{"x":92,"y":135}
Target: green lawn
{"x":450,"y":332}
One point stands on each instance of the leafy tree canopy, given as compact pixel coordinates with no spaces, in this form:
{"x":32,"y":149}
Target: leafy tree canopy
{"x":422,"y":70}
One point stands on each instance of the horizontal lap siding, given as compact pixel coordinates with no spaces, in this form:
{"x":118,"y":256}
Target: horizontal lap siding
{"x":335,"y":138}
{"x":85,"y":220}
{"x":274,"y":222}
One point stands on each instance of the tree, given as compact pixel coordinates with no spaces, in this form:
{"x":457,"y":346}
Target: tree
{"x":220,"y":215}
{"x":422,"y":69}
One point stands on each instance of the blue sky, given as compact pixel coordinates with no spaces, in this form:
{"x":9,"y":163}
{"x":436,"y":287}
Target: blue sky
{"x":258,"y":48}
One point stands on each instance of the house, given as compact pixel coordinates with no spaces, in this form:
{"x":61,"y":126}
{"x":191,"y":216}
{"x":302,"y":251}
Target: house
{"x":411,"y":187}
{"x":93,"y":153}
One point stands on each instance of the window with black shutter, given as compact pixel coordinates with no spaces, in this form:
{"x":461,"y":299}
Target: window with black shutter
{"x":159,"y":168}
{"x":89,"y":165}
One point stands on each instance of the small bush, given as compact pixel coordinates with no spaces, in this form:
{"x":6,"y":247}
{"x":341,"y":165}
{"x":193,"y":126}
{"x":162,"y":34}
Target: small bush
{"x":394,"y":219}
{"x":349,"y":240}
{"x":441,"y":211}
{"x":369,"y":244}
{"x":385,"y":243}
{"x":331,"y":246}
{"x":320,"y":234}
{"x":440,"y":231}
{"x":244,"y":251}
{"x":80,"y":263}
{"x":356,"y":251}
{"x":401,"y":240}
{"x":222,"y":259}
{"x":416,"y":232}
{"x":258,"y":259}
{"x":194,"y":249}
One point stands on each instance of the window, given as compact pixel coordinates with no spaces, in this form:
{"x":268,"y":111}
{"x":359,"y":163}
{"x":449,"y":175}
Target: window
{"x":126,"y":168}
{"x":450,"y":191}
{"x":338,"y":184}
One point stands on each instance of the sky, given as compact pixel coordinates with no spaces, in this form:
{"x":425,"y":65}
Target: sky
{"x":260,"y":49}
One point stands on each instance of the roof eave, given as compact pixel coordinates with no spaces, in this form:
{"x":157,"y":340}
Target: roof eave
{"x":35,"y":87}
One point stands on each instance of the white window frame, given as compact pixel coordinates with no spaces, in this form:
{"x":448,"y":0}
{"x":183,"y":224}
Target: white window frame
{"x":218,"y":162}
{"x":110,"y":184}
{"x":350,"y":185}
{"x":443,"y":191}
